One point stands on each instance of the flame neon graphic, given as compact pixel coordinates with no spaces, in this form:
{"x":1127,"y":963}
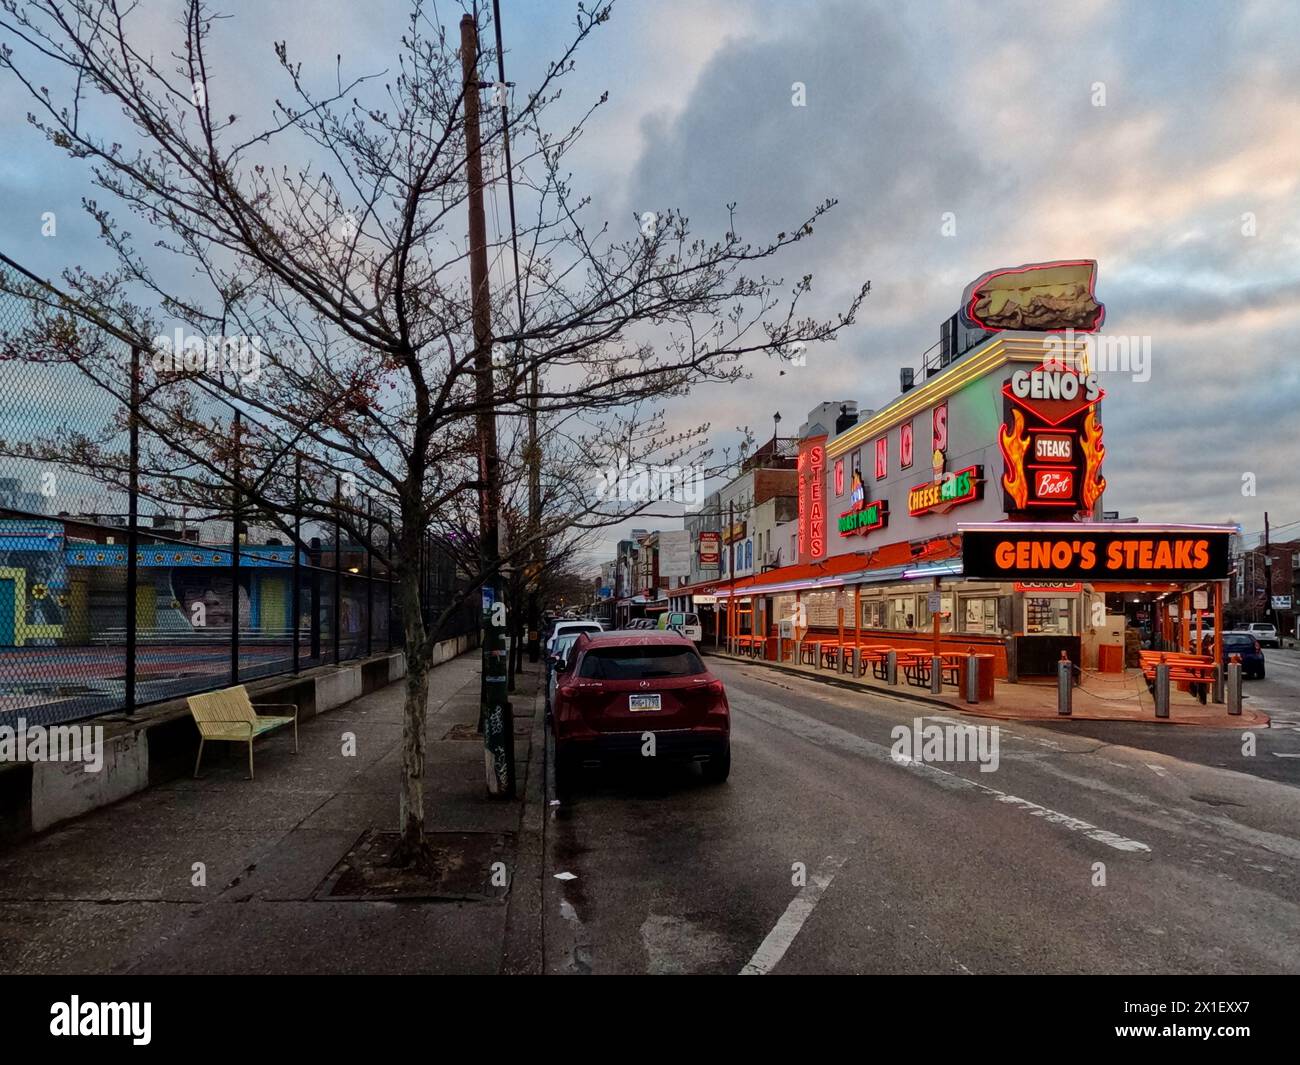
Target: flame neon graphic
{"x":1014,"y":445}
{"x":1093,"y":452}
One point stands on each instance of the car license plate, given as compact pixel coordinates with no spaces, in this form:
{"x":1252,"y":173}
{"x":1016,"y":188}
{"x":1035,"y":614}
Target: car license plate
{"x":643,"y":702}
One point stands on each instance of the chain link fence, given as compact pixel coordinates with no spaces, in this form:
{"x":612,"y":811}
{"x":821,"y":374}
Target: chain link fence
{"x":113,"y":596}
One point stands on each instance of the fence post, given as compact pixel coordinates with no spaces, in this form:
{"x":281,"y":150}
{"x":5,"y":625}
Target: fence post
{"x":370,"y":580}
{"x":315,"y":599}
{"x":296,"y":610}
{"x":132,"y":534}
{"x":1064,"y":685}
{"x":338,"y":570}
{"x":235,"y":504}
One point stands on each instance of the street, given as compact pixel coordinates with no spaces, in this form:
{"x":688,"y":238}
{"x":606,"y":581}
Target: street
{"x":1077,"y":855}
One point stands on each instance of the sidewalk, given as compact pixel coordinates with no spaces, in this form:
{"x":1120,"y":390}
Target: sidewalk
{"x":120,"y":890}
{"x":1100,"y":697}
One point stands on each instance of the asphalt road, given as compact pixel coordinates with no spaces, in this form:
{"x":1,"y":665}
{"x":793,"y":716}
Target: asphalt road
{"x":923,"y":868}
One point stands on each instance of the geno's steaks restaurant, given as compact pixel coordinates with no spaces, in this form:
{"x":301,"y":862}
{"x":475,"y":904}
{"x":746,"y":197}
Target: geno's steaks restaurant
{"x":968,"y":510}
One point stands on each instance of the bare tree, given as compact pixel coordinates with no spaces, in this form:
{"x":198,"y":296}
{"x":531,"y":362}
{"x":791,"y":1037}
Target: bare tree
{"x":333,"y":237}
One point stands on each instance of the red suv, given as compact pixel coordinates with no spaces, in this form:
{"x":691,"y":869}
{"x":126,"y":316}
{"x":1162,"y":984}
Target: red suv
{"x":618,"y":686}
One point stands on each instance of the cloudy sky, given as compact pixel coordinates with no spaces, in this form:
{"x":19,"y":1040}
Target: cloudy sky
{"x":1161,"y":139}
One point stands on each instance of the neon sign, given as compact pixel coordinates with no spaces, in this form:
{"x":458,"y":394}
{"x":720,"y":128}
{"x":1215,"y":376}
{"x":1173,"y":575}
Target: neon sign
{"x":872,"y":516}
{"x":964,"y":486}
{"x":812,"y":499}
{"x":1051,"y":441}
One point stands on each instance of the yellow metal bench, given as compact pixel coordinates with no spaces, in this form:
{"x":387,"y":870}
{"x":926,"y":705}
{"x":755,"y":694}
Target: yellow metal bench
{"x":228,"y":715}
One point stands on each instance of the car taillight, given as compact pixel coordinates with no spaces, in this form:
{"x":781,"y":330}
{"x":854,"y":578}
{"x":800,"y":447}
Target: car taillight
{"x":1258,"y":649}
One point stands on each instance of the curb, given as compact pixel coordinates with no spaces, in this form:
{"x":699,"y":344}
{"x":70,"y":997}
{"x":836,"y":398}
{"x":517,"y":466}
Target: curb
{"x":976,"y":710}
{"x":521,"y":952}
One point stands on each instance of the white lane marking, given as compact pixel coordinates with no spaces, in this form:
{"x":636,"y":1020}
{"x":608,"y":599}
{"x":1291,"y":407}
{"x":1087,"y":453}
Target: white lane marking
{"x":1155,"y":769}
{"x":1279,"y":754}
{"x":818,"y":731}
{"x":778,"y":941}
{"x":565,"y":876}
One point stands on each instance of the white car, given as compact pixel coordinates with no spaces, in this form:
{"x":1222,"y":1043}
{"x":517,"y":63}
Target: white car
{"x":1265,"y":633}
{"x":556,"y":658}
{"x":561,"y":627}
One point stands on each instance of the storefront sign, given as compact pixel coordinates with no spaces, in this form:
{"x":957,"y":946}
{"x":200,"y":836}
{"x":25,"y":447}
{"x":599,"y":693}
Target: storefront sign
{"x":905,"y":445}
{"x":710,"y":549}
{"x":1051,"y":443}
{"x":1281,"y":602}
{"x":964,"y":486}
{"x":1130,"y":555}
{"x":812,"y":499}
{"x":734,"y":532}
{"x":871,"y":516}
{"x":1048,"y":587}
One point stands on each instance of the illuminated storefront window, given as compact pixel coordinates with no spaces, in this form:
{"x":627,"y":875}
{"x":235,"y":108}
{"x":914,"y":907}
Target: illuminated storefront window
{"x":1049,"y":616}
{"x":902,"y":612}
{"x":945,"y":613}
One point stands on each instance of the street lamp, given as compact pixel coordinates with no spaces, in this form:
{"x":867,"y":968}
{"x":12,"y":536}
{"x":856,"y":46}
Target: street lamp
{"x":776,"y":431}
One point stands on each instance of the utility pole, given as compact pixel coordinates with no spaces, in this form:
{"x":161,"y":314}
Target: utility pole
{"x":1269,"y":613}
{"x":496,"y":713}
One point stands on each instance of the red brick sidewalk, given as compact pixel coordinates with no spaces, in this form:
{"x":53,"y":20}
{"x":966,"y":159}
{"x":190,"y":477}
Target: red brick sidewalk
{"x":1099,"y":697}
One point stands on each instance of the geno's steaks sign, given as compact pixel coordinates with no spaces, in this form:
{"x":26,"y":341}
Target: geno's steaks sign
{"x":1081,"y":551}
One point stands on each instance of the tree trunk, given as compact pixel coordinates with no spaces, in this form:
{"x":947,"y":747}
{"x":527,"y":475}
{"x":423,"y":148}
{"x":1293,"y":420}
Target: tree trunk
{"x":411,"y":849}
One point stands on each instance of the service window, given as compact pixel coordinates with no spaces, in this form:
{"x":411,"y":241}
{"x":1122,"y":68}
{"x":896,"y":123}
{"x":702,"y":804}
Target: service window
{"x":945,"y":613}
{"x":1049,"y":616}
{"x":873,"y":613}
{"x":980,"y":615}
{"x":902,"y":612}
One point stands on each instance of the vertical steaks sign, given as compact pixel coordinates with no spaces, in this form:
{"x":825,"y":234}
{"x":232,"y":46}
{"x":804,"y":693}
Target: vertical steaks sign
{"x":1082,"y":551}
{"x":1051,"y":442}
{"x":812,"y":499}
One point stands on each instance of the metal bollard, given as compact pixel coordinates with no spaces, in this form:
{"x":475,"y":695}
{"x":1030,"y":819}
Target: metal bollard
{"x":1234,"y":685}
{"x":936,"y":675}
{"x":1218,"y":682}
{"x":891,"y":668}
{"x":855,"y":659}
{"x":1064,"y":685}
{"x":972,"y":678}
{"x":1162,"y":689}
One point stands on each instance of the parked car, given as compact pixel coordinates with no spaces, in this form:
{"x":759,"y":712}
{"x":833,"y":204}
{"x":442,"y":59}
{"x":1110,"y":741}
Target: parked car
{"x":687,"y":624}
{"x":571,"y":625}
{"x":1244,"y":644}
{"x":1265,"y":633}
{"x":618,"y":686}
{"x":556,"y":659}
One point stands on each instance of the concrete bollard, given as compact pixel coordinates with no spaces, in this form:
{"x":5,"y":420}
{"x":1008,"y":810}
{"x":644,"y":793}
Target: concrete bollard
{"x":972,"y":678}
{"x":855,"y":659}
{"x":1162,"y":689}
{"x":936,"y":675}
{"x":1234,"y":685}
{"x":1218,"y":682}
{"x":891,"y":668}
{"x":1064,"y":685}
